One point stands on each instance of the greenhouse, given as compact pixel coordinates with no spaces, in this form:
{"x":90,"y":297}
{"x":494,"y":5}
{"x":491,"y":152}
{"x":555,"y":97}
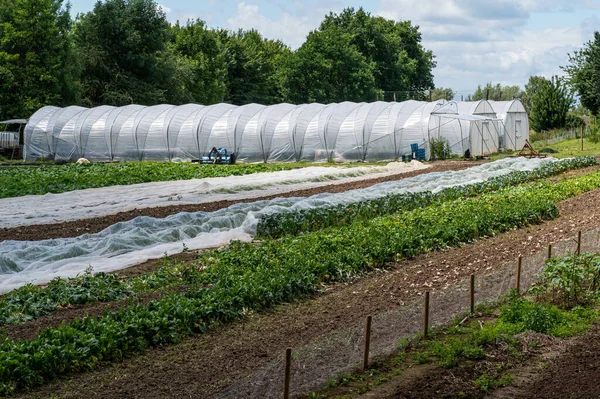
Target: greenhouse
{"x":315,"y":132}
{"x":515,"y":123}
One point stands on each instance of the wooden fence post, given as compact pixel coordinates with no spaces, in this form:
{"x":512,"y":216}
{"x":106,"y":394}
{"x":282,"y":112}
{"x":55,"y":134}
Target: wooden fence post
{"x":367,"y":343}
{"x":579,"y":243}
{"x":426,"y":315}
{"x":472,"y":292}
{"x":549,"y":251}
{"x":286,"y":376}
{"x":518,"y":286}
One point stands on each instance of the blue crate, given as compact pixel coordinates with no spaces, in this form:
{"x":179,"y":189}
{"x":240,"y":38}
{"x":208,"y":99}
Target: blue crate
{"x":421,"y":154}
{"x":414,"y":147}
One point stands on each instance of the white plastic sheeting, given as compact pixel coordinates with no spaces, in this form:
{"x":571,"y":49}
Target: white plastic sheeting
{"x":515,"y":123}
{"x":97,"y":202}
{"x":256,"y":133}
{"x":128,"y":243}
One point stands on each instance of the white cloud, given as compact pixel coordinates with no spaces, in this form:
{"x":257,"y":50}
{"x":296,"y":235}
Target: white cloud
{"x":478,"y":42}
{"x":164,"y":9}
{"x":290,"y":29}
{"x":474,"y":42}
{"x":589,"y":26}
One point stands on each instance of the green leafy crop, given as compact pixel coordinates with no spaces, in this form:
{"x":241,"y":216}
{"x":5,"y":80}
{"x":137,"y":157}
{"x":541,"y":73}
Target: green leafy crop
{"x":17,"y":181}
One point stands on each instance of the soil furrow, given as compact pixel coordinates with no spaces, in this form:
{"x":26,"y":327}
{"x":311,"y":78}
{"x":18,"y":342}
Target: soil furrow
{"x":97,"y":224}
{"x":203,"y":365}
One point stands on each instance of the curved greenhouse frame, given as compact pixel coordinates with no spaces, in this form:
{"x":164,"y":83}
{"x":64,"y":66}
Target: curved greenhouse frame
{"x":515,"y":123}
{"x":344,"y":131}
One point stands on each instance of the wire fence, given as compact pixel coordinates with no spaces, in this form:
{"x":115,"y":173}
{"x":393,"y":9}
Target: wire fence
{"x":313,"y":364}
{"x":546,"y":138}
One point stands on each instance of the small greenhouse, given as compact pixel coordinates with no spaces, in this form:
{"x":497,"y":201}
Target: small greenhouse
{"x":514,"y":123}
{"x":315,"y":132}
{"x":484,"y":131}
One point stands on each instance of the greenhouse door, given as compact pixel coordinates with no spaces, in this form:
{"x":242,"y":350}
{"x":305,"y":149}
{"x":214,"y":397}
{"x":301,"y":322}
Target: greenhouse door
{"x":518,"y":144}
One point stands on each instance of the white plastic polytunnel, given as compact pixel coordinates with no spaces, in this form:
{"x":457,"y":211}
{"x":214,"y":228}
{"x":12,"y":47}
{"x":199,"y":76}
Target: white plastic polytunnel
{"x":344,"y":131}
{"x":484,"y":132}
{"x":514,"y":121}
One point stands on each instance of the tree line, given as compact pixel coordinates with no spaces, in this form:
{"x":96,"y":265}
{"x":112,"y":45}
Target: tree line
{"x":125,"y":51}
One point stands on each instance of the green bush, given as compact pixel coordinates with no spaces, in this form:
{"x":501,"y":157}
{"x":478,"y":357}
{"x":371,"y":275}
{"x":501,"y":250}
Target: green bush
{"x":440,"y":148}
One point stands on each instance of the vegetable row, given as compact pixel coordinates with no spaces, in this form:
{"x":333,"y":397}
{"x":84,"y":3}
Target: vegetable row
{"x":304,"y":220}
{"x":17,"y":181}
{"x":245,"y":277}
{"x":30,"y":302}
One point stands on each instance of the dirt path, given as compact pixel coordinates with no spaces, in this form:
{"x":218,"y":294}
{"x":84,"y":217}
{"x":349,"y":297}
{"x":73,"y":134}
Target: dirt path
{"x":204,"y":365}
{"x":572,"y":374}
{"x":94,"y":225}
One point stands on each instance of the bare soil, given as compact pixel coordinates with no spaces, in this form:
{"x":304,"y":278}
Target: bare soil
{"x":201,"y":366}
{"x":572,"y":374}
{"x":97,"y":224}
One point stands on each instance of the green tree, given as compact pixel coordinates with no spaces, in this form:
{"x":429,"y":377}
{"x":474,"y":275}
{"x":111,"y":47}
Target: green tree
{"x":202,"y":49}
{"x":441,"y":93}
{"x":252,"y":64}
{"x":496,"y":93}
{"x":532,"y":90}
{"x":583,"y":74}
{"x":328,"y":67}
{"x":400,"y":63}
{"x":37,"y":66}
{"x":550,"y":104}
{"x":122,"y":45}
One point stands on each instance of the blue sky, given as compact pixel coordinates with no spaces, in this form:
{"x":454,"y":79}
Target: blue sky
{"x":502,"y":41}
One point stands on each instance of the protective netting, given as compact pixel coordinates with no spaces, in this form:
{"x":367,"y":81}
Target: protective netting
{"x":128,"y":243}
{"x":258,"y":133}
{"x":98,"y":202}
{"x":318,"y":361}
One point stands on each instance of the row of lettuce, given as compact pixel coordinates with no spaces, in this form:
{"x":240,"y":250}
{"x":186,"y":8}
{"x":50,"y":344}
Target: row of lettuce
{"x":243,"y":277}
{"x":17,"y":181}
{"x":30,"y":301}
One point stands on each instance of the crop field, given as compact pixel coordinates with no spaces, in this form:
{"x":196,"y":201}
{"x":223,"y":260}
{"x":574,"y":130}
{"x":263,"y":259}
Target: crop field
{"x":16,"y":181}
{"x":298,"y":260}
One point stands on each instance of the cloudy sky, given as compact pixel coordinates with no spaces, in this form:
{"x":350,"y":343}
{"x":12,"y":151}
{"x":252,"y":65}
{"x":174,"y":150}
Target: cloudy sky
{"x":474,"y":41}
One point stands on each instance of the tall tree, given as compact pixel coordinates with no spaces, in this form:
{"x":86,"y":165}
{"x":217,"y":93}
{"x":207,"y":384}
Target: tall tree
{"x":122,"y":45}
{"x":328,"y":67}
{"x":400,"y":63}
{"x":550,"y":103}
{"x":441,"y":93}
{"x":252,"y":64}
{"x":37,"y":67}
{"x":583,"y":74}
{"x":496,"y":92}
{"x":202,"y":49}
{"x":532,"y":90}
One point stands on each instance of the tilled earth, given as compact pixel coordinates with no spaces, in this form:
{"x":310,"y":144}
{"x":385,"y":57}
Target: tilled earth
{"x":203,"y":365}
{"x":97,"y":224}
{"x":573,"y":374}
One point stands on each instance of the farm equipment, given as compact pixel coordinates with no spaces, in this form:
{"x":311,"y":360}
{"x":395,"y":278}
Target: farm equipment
{"x":529,"y":152}
{"x":218,"y":156}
